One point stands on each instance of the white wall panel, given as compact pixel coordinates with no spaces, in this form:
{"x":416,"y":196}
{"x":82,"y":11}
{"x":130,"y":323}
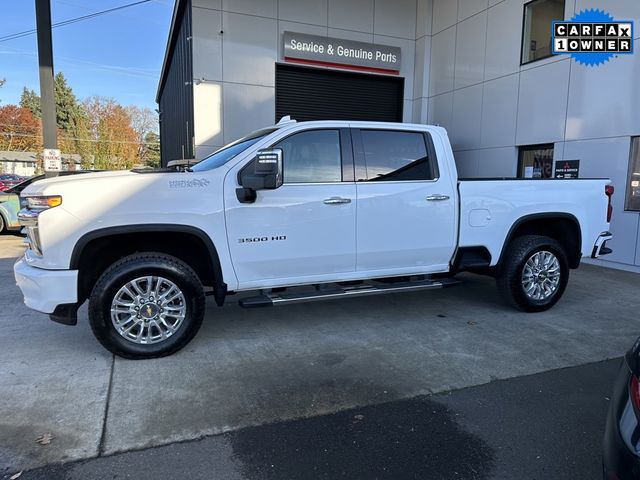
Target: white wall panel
{"x":497,"y":162}
{"x":441,"y":110}
{"x":619,"y":9}
{"x":303,"y":11}
{"x":352,"y":15}
{"x":499,"y":112}
{"x":350,"y":35}
{"x":262,"y":8}
{"x":246,"y":108}
{"x":424,"y":18}
{"x":249,"y":49}
{"x":407,"y":63}
{"x":207,"y":113}
{"x":423,"y":54}
{"x":542,"y":104}
{"x":395,"y":18}
{"x":445,"y":14}
{"x":467,"y":163}
{"x":608,"y":157}
{"x":504,"y":27}
{"x":470,"y":49}
{"x":467,"y":8}
{"x":605,"y":101}
{"x":442,"y":61}
{"x":207,"y":44}
{"x":467,"y":110}
{"x":216,"y":4}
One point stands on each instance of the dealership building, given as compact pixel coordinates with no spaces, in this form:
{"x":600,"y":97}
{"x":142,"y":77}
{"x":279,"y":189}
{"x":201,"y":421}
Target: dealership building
{"x":483,"y":69}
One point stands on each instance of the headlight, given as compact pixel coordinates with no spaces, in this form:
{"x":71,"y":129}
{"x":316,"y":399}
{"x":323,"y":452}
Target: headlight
{"x":43,"y":202}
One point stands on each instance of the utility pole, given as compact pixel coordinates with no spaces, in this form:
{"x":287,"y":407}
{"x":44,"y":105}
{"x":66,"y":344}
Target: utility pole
{"x":47,"y":95}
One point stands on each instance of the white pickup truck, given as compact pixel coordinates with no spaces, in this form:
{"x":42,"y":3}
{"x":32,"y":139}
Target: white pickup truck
{"x":330,"y":208}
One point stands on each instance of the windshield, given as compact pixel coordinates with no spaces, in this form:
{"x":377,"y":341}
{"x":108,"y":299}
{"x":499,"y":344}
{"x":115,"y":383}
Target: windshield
{"x":226,"y":153}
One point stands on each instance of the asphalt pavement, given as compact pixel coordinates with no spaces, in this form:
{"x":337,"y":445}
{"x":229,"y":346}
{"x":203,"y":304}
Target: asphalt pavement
{"x":546,"y":426}
{"x":282,"y":369}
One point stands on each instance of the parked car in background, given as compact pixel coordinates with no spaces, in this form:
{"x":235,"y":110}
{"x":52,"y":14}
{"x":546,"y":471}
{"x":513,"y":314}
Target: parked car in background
{"x":3,"y":187}
{"x":10,"y":200}
{"x":10,"y":180}
{"x":621,"y":449}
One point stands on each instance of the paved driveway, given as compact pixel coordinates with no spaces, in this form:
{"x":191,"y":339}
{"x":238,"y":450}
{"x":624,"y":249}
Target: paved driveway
{"x":251,"y":367}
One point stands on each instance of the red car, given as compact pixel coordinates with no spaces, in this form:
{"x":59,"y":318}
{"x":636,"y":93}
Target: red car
{"x":3,"y":187}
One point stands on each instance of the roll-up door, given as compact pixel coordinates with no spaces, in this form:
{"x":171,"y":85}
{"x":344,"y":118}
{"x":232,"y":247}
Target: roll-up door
{"x":321,"y":94}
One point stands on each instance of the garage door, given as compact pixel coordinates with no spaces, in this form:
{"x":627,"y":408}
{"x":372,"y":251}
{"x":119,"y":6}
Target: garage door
{"x":320,"y":94}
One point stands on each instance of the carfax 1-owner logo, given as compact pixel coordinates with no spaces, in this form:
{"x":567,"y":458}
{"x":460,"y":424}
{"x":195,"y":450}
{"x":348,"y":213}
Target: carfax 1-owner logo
{"x":593,"y":37}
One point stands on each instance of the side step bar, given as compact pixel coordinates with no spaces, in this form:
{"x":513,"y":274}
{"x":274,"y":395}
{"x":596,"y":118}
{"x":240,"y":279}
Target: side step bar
{"x":272,"y":299}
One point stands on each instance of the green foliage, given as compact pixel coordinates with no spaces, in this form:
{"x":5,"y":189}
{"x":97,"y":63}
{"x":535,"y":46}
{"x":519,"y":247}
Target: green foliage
{"x":30,"y":100}
{"x":152,"y":153}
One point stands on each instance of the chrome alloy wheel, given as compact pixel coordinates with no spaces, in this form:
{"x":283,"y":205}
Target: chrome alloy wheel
{"x":148,"y":310}
{"x":541,"y":275}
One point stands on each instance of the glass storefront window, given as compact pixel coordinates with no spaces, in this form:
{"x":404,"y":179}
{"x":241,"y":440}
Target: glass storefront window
{"x":536,"y":31}
{"x":536,"y":161}
{"x":632,"y":200}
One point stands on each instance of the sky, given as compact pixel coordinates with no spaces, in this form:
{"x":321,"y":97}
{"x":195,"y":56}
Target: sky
{"x":117,"y":55}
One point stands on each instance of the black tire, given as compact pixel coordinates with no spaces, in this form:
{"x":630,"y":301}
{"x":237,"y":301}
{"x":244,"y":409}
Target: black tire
{"x":2,"y":225}
{"x":509,"y":278}
{"x":133,"y":267}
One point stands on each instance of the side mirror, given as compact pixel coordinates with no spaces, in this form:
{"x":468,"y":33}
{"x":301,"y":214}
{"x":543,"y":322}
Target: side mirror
{"x":266,"y":174}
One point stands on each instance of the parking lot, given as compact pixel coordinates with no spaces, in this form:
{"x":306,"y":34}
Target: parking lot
{"x":269,"y":366}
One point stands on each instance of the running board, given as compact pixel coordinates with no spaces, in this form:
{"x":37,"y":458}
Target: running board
{"x":272,"y":299}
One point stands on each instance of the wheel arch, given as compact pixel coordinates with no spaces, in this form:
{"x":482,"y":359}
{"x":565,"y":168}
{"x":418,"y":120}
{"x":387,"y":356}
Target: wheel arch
{"x":561,"y":226}
{"x":100,"y":248}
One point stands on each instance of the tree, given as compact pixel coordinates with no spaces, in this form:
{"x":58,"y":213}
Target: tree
{"x":68,"y":110}
{"x":143,"y":121}
{"x":19,"y":129}
{"x":29,"y":99}
{"x":152,"y":152}
{"x":2,"y":82}
{"x":115,"y":142}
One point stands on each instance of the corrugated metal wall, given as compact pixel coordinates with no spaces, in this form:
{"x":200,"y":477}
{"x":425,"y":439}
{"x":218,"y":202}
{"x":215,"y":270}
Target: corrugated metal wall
{"x":176,"y":97}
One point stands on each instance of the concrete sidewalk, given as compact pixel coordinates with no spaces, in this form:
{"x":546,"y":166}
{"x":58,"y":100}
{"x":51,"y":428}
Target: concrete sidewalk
{"x":250,"y":367}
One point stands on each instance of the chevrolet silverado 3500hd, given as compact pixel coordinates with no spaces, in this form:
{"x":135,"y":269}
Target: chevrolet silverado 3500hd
{"x":332,"y":208}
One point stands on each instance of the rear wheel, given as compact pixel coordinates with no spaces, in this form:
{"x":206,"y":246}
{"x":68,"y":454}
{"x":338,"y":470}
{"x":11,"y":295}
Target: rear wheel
{"x":534,"y":273}
{"x":2,"y":225}
{"x":146,"y":305}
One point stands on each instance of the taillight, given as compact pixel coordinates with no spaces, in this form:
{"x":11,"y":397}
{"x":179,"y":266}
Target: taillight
{"x":608,"y":191}
{"x":634,"y":392}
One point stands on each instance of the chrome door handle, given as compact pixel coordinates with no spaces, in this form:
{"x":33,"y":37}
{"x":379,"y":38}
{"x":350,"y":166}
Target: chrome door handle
{"x":336,"y":201}
{"x":437,"y":198}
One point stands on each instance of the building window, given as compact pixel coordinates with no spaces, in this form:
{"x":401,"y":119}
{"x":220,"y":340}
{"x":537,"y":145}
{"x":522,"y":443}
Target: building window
{"x":536,"y":29}
{"x":632,"y":201}
{"x":312,"y":157}
{"x":536,"y":161}
{"x":395,"y":156}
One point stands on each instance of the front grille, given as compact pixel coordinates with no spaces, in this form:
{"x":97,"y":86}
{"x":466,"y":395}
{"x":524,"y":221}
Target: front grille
{"x":29,"y":220}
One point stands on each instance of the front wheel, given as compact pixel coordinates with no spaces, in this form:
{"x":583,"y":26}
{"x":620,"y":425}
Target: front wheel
{"x":146,"y":305}
{"x":534,"y":273}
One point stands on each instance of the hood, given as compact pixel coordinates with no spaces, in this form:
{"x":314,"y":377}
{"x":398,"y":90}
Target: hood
{"x":49,"y":184}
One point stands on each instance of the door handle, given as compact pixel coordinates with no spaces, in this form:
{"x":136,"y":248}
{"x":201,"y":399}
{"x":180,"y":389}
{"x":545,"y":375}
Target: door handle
{"x":437,"y":197}
{"x":336,"y":201}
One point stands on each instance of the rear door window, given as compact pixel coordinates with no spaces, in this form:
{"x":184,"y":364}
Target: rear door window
{"x":395,"y":156}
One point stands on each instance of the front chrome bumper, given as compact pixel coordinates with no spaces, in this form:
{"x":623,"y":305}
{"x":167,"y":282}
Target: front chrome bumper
{"x":599,"y":248}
